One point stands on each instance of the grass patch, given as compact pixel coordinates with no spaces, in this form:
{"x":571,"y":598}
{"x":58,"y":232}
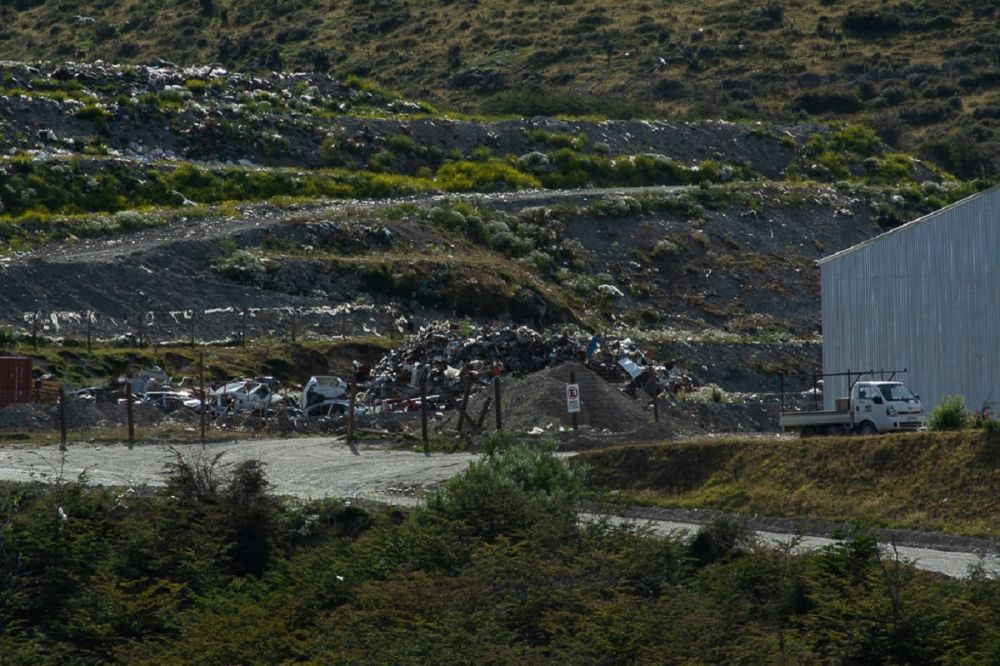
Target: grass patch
{"x":925,"y":481}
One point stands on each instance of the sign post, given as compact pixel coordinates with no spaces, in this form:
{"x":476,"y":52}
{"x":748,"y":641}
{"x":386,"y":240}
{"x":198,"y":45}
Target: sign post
{"x":573,"y":398}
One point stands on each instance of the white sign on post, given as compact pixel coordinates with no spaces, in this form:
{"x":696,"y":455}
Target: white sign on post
{"x":573,"y":398}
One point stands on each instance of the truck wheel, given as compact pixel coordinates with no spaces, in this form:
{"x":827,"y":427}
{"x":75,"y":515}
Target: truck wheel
{"x":867,"y":429}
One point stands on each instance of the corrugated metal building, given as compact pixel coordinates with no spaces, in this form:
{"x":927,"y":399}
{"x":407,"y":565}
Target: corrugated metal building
{"x":924,"y":296}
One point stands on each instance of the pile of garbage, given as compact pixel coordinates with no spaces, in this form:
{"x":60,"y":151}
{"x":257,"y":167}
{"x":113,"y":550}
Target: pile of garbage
{"x":448,"y":356}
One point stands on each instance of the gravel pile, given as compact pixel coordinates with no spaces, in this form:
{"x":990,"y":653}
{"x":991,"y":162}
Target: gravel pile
{"x":539,"y":401}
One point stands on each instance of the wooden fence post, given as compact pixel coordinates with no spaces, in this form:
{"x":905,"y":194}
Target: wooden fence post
{"x":496,"y":400}
{"x":90,"y":317}
{"x":572,"y":380}
{"x":465,"y":404}
{"x":129,"y":414}
{"x":350,"y":409}
{"x":201,"y":374}
{"x":62,"y":418}
{"x":423,"y":411}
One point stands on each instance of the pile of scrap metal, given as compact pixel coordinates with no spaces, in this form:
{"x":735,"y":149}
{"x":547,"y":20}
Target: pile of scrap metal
{"x":620,"y":360}
{"x":260,"y":395}
{"x":449,"y":356}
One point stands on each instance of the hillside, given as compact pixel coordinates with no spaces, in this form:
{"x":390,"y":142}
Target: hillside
{"x":181,"y":205}
{"x":925,"y":73}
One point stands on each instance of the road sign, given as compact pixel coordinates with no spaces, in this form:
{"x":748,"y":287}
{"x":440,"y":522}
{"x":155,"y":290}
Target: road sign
{"x":573,"y":398}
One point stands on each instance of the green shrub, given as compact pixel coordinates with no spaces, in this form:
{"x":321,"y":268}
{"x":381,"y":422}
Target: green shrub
{"x":666,"y":247}
{"x":402,"y":144}
{"x":894,"y":167}
{"x":491,"y":175}
{"x":511,"y":488}
{"x":93,"y":112}
{"x":245,"y":266}
{"x":949,"y":414}
{"x":857,"y":139}
{"x":196,"y":86}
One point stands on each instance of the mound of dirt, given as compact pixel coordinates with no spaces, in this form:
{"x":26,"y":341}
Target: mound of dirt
{"x":539,"y":401}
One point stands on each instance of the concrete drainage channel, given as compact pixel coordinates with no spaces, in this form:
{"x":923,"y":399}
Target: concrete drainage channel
{"x":328,"y":467}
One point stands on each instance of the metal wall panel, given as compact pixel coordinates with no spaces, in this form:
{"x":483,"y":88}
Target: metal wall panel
{"x":925,"y":297}
{"x":15,"y":380}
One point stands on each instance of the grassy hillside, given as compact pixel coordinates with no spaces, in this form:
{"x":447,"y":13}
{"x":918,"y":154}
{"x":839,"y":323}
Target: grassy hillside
{"x":930,"y":481}
{"x":925,"y":73}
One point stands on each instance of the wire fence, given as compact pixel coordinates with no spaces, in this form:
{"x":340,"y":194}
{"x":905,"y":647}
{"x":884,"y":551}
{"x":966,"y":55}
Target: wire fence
{"x":418,"y":414}
{"x":221,"y":325}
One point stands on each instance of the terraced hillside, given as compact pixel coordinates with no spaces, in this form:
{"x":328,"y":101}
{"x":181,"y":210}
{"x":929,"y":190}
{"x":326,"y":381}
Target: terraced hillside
{"x":925,"y":73}
{"x":162,"y":204}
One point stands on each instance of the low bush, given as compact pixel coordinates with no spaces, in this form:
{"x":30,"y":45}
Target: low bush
{"x":949,"y":414}
{"x":514,"y":487}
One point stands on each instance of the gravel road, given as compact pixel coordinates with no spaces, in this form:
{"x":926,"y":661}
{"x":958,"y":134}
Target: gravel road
{"x":302,"y":467}
{"x":329,"y":467}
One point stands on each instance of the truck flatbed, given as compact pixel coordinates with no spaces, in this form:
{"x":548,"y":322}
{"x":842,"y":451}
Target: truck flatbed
{"x":821,"y":418}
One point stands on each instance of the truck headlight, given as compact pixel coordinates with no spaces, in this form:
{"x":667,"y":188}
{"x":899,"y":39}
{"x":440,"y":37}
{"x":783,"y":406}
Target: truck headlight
{"x":890,"y":410}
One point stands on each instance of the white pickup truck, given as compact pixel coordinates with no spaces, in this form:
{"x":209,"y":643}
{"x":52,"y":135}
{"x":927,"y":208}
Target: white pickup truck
{"x":872,"y":407}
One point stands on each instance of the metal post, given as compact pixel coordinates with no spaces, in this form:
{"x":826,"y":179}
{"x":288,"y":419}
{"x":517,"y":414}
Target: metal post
{"x":34,"y":331}
{"x":350,"y":409}
{"x":194,"y":313}
{"x":62,"y":418}
{"x":496,"y":401}
{"x":781,"y":387}
{"x":423,"y":411}
{"x":656,"y":404}
{"x":243,"y":334}
{"x":572,"y":380}
{"x":201,"y":374}
{"x":90,"y":316}
{"x":465,"y":404}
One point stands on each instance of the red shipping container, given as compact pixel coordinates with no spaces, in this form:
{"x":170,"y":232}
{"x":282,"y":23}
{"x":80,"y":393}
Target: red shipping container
{"x":15,"y":380}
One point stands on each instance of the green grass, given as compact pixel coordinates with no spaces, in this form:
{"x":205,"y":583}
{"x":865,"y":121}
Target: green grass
{"x":925,"y":481}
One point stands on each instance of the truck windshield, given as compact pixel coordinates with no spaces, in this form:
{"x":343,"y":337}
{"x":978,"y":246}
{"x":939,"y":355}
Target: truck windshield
{"x":896,"y":392}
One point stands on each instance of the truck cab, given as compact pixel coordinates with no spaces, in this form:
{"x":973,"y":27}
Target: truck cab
{"x":884,"y":407}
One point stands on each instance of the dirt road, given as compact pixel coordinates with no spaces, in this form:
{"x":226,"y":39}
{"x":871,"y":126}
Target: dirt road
{"x":302,"y":467}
